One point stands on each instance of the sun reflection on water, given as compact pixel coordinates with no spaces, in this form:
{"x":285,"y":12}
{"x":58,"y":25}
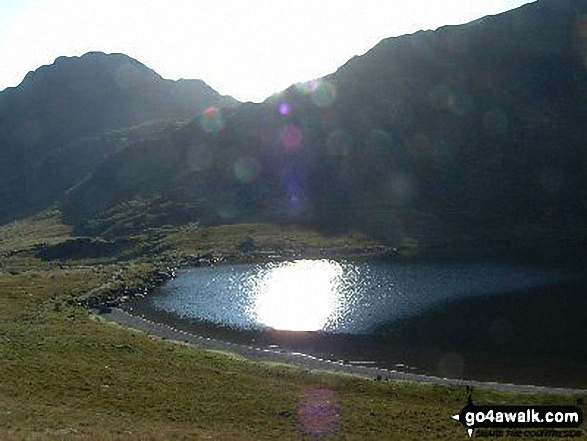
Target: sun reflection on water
{"x":298,"y":296}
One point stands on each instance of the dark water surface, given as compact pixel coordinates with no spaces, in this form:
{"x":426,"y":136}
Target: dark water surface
{"x":483,"y":321}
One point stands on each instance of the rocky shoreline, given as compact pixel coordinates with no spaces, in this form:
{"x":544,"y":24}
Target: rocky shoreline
{"x":117,"y":293}
{"x":107,"y":302}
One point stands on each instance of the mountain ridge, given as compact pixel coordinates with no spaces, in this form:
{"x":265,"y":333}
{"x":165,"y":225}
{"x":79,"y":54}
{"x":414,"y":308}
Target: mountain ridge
{"x":79,"y":97}
{"x":469,"y":133}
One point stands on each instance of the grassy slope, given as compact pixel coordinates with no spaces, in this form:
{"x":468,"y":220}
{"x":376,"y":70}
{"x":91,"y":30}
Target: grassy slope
{"x":270,"y":238}
{"x":67,"y":376}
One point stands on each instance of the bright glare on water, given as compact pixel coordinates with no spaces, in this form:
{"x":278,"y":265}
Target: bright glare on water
{"x":298,"y":296}
{"x":312,"y":295}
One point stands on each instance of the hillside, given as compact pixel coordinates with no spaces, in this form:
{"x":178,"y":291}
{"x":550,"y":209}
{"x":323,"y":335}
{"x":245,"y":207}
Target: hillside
{"x":43,"y":119}
{"x":467,"y":140}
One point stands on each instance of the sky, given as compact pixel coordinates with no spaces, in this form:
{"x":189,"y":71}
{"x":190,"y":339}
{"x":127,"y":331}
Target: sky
{"x":249,"y":49}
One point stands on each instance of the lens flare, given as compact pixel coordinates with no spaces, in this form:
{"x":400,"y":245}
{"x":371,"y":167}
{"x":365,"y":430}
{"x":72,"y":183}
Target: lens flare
{"x":227,"y":210}
{"x":398,"y":189}
{"x":379,"y":142}
{"x":339,"y":143}
{"x":247,"y":169}
{"x":294,"y":197}
{"x":291,"y":138}
{"x":307,"y":87}
{"x":295,"y":202}
{"x":443,"y":98}
{"x":212,"y":120}
{"x":199,"y":157}
{"x":284,"y":108}
{"x":420,"y":146}
{"x":460,"y":103}
{"x":319,"y":411}
{"x":495,"y":121}
{"x":324,"y":94}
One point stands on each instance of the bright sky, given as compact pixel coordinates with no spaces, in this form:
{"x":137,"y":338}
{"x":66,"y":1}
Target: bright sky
{"x":245,"y":48}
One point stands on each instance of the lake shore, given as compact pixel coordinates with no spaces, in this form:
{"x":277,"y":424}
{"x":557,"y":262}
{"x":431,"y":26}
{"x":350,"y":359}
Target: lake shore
{"x":123,"y":318}
{"x":68,"y":375}
{"x":478,"y":338}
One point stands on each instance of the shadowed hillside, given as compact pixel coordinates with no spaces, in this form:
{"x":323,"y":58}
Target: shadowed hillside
{"x":467,"y":139}
{"x":44,"y":118}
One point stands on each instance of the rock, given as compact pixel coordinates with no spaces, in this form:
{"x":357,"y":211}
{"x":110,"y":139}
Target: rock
{"x":104,"y":310}
{"x":246,"y":245}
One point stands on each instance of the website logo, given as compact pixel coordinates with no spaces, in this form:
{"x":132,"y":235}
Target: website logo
{"x":520,"y":421}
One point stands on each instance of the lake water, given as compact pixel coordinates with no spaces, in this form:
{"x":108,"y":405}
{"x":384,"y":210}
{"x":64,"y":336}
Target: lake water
{"x":312,"y":295}
{"x":419,"y":316}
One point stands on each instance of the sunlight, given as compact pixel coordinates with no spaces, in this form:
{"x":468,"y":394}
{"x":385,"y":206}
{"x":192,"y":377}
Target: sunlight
{"x":246,"y":49}
{"x":298,"y":296}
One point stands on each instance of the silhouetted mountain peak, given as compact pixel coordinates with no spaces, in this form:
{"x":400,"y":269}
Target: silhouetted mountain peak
{"x":93,"y":69}
{"x":474,"y":129}
{"x":80,"y":97}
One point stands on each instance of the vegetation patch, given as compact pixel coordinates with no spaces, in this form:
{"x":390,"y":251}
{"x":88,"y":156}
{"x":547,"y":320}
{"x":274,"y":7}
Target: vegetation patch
{"x":66,"y":376}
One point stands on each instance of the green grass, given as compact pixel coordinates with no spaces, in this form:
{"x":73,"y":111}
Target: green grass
{"x":45,"y":227}
{"x":66,"y":376}
{"x":225,"y":239}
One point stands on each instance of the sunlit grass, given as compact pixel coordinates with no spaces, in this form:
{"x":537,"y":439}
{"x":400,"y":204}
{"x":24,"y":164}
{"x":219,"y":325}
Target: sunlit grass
{"x":46,"y":227}
{"x":267,"y":237}
{"x":66,"y":375}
